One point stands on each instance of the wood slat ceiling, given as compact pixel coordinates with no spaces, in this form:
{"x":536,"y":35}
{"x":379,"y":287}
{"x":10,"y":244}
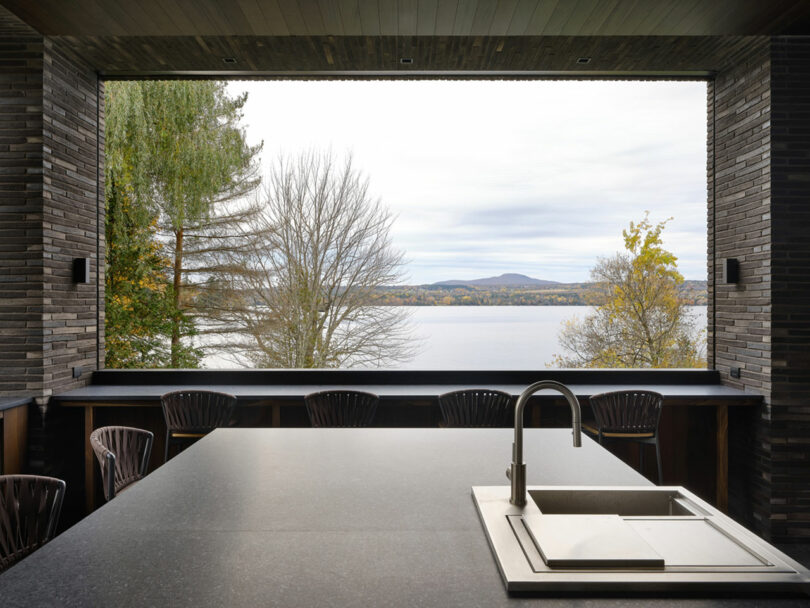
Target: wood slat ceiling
{"x":363,"y":56}
{"x":363,"y":38}
{"x":413,"y":17}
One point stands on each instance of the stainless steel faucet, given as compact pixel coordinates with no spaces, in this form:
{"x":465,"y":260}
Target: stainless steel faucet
{"x":517,"y":472}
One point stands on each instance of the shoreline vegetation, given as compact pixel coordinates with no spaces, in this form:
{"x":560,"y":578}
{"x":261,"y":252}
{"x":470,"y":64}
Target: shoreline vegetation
{"x":694,"y":293}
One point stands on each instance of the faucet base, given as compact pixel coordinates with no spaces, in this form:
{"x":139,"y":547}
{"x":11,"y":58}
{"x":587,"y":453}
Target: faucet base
{"x":517,"y":473}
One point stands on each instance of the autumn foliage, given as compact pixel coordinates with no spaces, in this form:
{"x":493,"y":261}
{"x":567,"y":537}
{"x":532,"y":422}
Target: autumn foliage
{"x":641,"y":318}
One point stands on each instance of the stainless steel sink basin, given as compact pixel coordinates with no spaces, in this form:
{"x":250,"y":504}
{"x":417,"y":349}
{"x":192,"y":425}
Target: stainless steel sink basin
{"x":644,"y":539}
{"x":617,"y":501}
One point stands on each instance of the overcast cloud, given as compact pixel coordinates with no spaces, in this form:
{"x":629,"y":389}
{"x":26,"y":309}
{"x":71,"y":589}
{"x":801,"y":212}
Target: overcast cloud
{"x":488,"y":177}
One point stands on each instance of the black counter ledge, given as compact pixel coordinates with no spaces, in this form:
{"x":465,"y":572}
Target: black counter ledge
{"x":388,"y":376}
{"x":146,"y":386}
{"x":691,"y":394}
{"x":316,"y":517}
{"x":7,"y":403}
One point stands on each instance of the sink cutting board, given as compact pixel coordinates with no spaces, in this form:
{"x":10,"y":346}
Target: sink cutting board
{"x":590,"y":541}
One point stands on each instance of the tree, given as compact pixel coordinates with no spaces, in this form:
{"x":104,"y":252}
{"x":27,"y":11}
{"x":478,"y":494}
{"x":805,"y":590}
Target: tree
{"x":640,"y":319}
{"x":200,"y":161}
{"x":138,"y":292}
{"x":178,"y":157}
{"x":308,"y":287}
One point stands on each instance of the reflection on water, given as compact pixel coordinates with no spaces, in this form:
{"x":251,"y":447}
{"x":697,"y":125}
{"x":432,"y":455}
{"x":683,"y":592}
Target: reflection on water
{"x":486,"y":337}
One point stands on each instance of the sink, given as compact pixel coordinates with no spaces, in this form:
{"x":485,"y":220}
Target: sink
{"x":617,"y":501}
{"x":589,"y":527}
{"x":641,"y":538}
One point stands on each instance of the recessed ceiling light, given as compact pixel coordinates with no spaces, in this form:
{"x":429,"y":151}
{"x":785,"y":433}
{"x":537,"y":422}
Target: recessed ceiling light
{"x":229,"y":60}
{"x":406,"y":60}
{"x":584,"y":60}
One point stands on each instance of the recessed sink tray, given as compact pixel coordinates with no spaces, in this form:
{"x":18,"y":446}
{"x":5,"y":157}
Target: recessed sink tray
{"x":614,"y":501}
{"x":642,"y":539}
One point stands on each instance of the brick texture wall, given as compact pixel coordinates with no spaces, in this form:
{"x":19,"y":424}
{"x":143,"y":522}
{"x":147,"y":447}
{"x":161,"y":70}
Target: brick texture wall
{"x":739,"y":315}
{"x":71,"y":216}
{"x":789,"y":415}
{"x":759,"y":190}
{"x":21,"y":209}
{"x":49,"y":213}
{"x":739,"y":220}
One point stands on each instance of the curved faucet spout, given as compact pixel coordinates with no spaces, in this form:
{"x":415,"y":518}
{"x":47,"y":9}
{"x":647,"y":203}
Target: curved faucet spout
{"x":517,"y":472}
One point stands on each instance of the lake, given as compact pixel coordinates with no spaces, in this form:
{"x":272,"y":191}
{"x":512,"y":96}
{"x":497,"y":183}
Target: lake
{"x":486,"y":337}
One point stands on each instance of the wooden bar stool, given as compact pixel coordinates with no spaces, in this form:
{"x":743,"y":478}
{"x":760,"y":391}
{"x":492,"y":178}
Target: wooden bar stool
{"x":340,"y":408}
{"x":630,"y":416}
{"x":123,"y":454}
{"x":29,"y":513}
{"x":477,"y":407}
{"x":190,"y":415}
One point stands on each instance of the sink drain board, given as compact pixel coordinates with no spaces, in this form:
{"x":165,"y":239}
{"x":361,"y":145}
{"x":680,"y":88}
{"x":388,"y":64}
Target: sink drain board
{"x":590,"y":541}
{"x":695,"y":543}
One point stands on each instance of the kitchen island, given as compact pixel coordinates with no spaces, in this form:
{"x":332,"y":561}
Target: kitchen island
{"x":315,"y":517}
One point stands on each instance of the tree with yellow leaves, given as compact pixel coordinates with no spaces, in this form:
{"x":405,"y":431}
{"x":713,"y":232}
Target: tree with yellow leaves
{"x":640,"y":318}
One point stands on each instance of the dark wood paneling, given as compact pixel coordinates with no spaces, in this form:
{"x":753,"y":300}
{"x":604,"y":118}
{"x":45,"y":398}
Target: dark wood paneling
{"x":412,"y":17}
{"x":362,"y":56}
{"x":12,"y":26}
{"x":349,"y":11}
{"x":15,"y":440}
{"x":502,"y":17}
{"x":407,"y":17}
{"x":369,"y":18}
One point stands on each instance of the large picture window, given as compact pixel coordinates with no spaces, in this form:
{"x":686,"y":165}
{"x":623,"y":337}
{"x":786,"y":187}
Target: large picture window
{"x":407,"y":224}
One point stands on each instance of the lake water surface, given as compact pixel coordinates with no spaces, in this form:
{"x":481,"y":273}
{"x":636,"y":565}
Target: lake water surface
{"x":486,"y":337}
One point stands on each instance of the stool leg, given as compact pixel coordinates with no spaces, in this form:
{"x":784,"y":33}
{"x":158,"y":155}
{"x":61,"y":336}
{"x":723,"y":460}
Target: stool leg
{"x":641,"y":458}
{"x":658,"y":458}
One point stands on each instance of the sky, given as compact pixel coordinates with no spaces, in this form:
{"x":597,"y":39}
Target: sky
{"x":489,"y":177}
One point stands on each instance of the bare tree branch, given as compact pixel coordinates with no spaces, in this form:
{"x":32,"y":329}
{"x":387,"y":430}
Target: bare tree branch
{"x":304,"y":282}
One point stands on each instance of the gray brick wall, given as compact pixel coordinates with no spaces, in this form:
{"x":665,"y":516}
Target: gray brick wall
{"x":739,"y":315}
{"x":759,"y":213}
{"x":739,"y":221}
{"x":788,"y":419}
{"x":49,"y":213}
{"x":71,"y":215}
{"x":21,"y":209}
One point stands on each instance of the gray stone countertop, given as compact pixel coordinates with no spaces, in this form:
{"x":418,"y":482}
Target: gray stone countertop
{"x":315,"y":517}
{"x":686,"y":393}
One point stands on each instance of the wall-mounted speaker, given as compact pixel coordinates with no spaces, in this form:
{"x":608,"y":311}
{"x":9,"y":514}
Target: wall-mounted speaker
{"x":731,"y":270}
{"x":81,"y":270}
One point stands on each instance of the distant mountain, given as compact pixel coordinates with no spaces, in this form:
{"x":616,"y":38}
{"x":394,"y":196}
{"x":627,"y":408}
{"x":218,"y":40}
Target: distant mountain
{"x":505,"y":280}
